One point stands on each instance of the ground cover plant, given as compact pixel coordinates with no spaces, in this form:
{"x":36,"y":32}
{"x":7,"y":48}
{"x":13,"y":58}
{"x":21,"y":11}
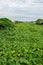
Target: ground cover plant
{"x":21,"y":43}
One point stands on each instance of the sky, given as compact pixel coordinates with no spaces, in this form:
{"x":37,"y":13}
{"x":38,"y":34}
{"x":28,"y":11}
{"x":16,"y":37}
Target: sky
{"x":24,"y":10}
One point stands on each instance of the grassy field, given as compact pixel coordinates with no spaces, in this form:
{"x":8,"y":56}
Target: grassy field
{"x":21,"y":44}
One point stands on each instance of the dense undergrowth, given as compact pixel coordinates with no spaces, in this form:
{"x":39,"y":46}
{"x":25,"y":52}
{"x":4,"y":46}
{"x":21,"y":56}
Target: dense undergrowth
{"x":21,"y":44}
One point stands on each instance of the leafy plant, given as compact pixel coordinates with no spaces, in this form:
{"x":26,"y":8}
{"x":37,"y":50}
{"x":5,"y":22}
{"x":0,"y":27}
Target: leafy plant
{"x":20,"y":43}
{"x":38,"y":21}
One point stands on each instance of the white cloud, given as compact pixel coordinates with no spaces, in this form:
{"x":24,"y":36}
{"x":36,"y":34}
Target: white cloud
{"x":21,"y":8}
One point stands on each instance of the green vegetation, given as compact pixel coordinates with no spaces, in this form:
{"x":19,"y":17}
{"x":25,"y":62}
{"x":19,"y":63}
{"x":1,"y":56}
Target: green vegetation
{"x":20,"y":43}
{"x":18,"y":21}
{"x":39,"y":21}
{"x":6,"y":22}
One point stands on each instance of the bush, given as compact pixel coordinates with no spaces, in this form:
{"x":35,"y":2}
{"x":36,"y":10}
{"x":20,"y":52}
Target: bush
{"x":2,"y":27}
{"x":5,"y":22}
{"x":18,"y":21}
{"x":38,"y":21}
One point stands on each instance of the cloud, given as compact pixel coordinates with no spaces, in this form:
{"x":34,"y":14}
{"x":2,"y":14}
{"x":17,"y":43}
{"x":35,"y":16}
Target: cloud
{"x":21,"y":9}
{"x":38,"y":1}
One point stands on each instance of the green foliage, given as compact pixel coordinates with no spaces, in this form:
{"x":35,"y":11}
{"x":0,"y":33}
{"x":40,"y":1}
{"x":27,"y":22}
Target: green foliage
{"x":38,"y":21}
{"x":21,"y":45}
{"x":5,"y":22}
{"x":18,"y":21}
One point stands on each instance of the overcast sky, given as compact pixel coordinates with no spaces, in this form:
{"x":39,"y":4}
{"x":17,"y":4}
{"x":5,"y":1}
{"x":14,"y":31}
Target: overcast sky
{"x":21,"y":9}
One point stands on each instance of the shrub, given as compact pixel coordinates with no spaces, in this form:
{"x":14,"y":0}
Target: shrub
{"x":18,"y":21}
{"x":39,"y":21}
{"x":5,"y":22}
{"x":2,"y":27}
